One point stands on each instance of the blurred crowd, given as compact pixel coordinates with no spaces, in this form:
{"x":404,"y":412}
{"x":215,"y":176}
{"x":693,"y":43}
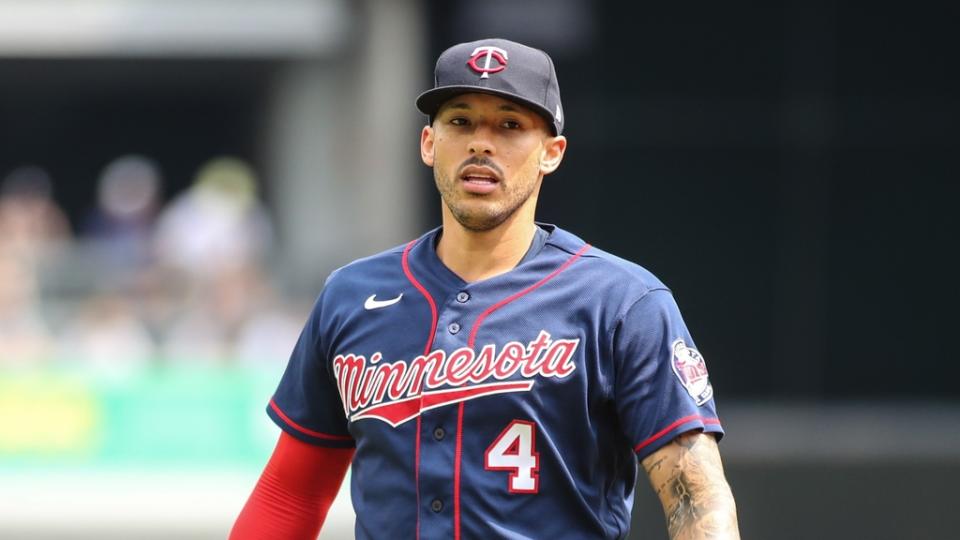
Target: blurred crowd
{"x":140,"y":281}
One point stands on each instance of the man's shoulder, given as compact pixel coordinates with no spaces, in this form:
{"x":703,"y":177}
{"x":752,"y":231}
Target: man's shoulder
{"x":619,"y":269}
{"x":373,"y":266}
{"x":606,"y":269}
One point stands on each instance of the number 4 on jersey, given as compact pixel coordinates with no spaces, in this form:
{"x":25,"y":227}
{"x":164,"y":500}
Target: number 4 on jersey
{"x":515,"y":450}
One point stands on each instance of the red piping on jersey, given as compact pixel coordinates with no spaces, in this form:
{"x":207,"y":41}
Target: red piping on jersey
{"x":304,"y":430}
{"x":416,"y":474}
{"x":456,"y":472}
{"x":511,"y":298}
{"x":671,"y":427}
{"x":423,"y":290}
{"x":404,"y":262}
{"x":470,"y":343}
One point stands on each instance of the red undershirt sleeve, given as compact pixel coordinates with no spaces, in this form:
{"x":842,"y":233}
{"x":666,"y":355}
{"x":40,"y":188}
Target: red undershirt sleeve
{"x":294,"y":493}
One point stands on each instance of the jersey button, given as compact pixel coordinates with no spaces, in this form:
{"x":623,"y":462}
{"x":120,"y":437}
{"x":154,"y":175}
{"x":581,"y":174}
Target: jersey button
{"x":436,"y":505}
{"x":462,"y":297}
{"x":438,"y":434}
{"x":453,"y":328}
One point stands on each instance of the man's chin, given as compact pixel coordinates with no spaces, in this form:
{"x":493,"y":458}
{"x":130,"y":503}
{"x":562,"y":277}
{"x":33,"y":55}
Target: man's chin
{"x":478,"y":224}
{"x":477,"y":221}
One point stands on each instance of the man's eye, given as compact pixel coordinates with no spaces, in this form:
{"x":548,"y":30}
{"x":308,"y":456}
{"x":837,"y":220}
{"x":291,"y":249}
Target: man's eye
{"x":458,"y":121}
{"x":511,"y":124}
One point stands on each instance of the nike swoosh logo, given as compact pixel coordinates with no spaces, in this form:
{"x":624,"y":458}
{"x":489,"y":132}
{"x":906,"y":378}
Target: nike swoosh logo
{"x":373,"y":303}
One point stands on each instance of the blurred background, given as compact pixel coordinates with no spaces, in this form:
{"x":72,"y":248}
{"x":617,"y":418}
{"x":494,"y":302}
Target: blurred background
{"x":178,"y":178}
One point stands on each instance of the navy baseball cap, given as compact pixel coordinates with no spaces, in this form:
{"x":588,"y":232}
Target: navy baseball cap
{"x":500,"y":67}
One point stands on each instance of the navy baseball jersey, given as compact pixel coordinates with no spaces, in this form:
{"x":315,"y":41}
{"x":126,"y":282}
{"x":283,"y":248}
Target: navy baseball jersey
{"x":515,"y":407}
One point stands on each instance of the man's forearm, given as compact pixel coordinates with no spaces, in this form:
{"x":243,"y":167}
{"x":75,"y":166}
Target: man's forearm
{"x":688,"y":477}
{"x":294,"y":493}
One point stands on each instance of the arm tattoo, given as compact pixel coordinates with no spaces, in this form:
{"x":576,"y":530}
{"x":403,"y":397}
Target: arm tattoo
{"x":655,"y":466}
{"x":688,"y":477}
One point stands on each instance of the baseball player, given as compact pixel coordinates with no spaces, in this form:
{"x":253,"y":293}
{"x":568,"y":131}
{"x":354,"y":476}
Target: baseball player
{"x":495,"y":377}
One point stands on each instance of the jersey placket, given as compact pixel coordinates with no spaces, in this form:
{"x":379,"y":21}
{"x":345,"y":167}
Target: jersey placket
{"x":439,"y":429}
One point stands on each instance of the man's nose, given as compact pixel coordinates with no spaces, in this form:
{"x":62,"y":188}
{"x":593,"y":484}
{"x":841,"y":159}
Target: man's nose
{"x":480,"y":143}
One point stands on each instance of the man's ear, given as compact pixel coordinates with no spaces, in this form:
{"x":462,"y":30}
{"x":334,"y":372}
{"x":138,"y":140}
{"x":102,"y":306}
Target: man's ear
{"x":426,"y":146}
{"x":553,"y":149}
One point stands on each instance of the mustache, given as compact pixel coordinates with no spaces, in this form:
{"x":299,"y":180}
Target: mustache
{"x":481,"y":161}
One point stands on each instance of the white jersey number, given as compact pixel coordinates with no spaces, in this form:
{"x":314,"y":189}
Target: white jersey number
{"x":514,"y":450}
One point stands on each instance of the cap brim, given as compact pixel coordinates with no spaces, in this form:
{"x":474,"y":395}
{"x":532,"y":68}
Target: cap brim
{"x":430,"y":101}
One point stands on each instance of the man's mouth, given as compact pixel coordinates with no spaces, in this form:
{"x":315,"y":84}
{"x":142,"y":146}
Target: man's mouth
{"x":479,"y":180}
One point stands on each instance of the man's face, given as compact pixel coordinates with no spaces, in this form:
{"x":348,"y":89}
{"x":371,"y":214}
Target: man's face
{"x":489,"y":156}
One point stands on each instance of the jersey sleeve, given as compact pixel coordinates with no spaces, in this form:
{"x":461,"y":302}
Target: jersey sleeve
{"x":662,"y":388}
{"x":307,"y":403}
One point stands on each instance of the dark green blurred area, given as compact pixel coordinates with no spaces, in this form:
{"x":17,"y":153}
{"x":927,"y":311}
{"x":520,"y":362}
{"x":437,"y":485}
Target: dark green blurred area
{"x":788,"y":169}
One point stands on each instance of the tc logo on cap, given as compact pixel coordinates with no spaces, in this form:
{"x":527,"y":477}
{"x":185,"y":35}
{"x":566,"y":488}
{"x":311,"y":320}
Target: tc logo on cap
{"x":487,"y":53}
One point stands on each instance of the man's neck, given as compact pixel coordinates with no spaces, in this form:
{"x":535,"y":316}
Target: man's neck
{"x":478,"y":255}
